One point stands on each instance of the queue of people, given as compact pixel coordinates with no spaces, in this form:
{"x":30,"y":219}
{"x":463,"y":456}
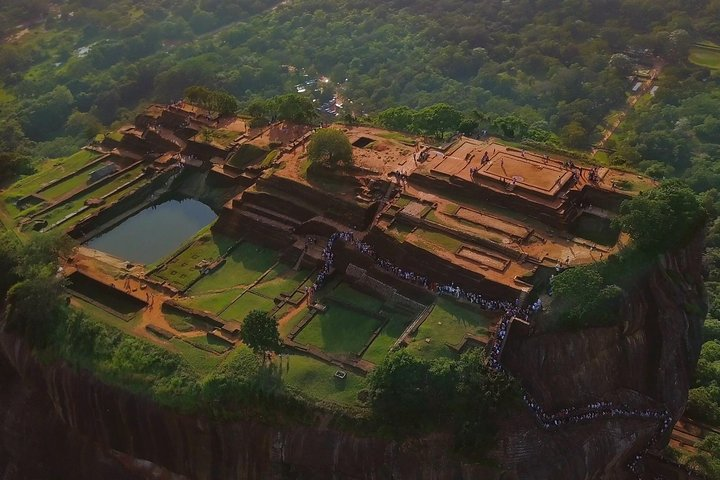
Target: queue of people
{"x":511,"y":311}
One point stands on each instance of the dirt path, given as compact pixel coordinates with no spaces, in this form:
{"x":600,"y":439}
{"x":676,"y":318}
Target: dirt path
{"x":631,"y":102}
{"x":291,"y":314}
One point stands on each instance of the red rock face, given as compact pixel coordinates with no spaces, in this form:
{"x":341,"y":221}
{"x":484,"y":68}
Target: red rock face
{"x":648,"y":362}
{"x":59,"y":423}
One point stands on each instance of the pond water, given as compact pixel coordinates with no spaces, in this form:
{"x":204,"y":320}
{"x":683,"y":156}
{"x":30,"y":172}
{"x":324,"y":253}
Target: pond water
{"x":156,"y":231}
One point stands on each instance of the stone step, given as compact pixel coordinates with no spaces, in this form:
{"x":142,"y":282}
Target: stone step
{"x":272,"y":214}
{"x":266,"y":222}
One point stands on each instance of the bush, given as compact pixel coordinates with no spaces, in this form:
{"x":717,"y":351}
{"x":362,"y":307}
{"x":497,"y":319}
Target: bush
{"x":583,"y":297}
{"x":330,"y":147}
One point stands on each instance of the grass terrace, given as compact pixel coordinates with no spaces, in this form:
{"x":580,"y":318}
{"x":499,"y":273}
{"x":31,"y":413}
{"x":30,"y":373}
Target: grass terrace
{"x":49,"y":171}
{"x":243,"y":266}
{"x":339,"y":330}
{"x":448,"y":323}
{"x":430,"y":240}
{"x":201,"y":361}
{"x":281,"y":279}
{"x":208,"y":344}
{"x":247,"y":154}
{"x":380,"y":347}
{"x":311,"y":378}
{"x":706,"y":54}
{"x":181,"y":270}
{"x":248,"y":302}
{"x":220,"y":136}
{"x":345,"y":293}
{"x":212,"y":302}
{"x":63,"y":210}
{"x":77,"y":181}
{"x":286,"y":326}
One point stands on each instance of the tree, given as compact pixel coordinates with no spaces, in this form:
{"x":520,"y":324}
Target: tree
{"x":574,"y":135}
{"x":397,"y":118}
{"x":224,"y":104}
{"x":398,"y":387}
{"x":216,"y":100}
{"x":707,"y":458}
{"x":622,"y":64}
{"x":468,"y":126}
{"x":438,"y":119}
{"x":84,"y":124}
{"x":33,"y":304}
{"x":259,"y":331}
{"x":45,"y":115}
{"x":662,"y":218}
{"x":293,"y":107}
{"x":679,"y":43}
{"x":583,"y":297}
{"x":511,"y":126}
{"x":258,"y":108}
{"x":330,"y":147}
{"x":711,"y":329}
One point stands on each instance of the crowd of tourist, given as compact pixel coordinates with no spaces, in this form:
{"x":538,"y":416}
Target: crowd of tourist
{"x":576,"y":415}
{"x":511,"y":311}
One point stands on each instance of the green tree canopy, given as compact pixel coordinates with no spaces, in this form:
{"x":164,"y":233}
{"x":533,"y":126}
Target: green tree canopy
{"x":216,"y":100}
{"x":397,"y":118}
{"x":331,"y":147}
{"x":259,"y":331}
{"x":398,"y":387}
{"x":662,"y":218}
{"x":293,"y":107}
{"x":438,"y":119}
{"x":583,"y":297}
{"x":707,"y":459}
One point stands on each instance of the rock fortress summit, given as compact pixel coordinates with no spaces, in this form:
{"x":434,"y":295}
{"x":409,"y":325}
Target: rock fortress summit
{"x":186,"y":222}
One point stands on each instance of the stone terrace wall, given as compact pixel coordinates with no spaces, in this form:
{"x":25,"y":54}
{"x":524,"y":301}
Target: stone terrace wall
{"x":343,"y":211}
{"x":423,"y":262}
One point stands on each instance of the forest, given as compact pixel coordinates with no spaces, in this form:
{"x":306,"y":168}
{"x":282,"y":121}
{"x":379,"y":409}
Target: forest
{"x":550,"y":71}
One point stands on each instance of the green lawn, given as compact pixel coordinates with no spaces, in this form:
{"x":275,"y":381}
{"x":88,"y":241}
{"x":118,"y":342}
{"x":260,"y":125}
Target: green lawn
{"x":281,"y":279}
{"x":242,"y":267}
{"x":705,"y":57}
{"x":182,"y":320}
{"x":181,"y":271}
{"x":338,"y":330}
{"x":247,"y":154}
{"x":244,"y":305}
{"x":448,"y":322}
{"x":58,"y":213}
{"x":179,"y":322}
{"x":400,"y":230}
{"x":397,"y":136}
{"x":346,"y":293}
{"x":205,"y":342}
{"x":224,"y":137}
{"x":430,"y":238}
{"x":76,"y":182}
{"x":315,"y":379}
{"x":292,"y":322}
{"x":451,"y":209}
{"x":212,"y":302}
{"x":388,"y":336}
{"x":201,"y":361}
{"x":51,"y":170}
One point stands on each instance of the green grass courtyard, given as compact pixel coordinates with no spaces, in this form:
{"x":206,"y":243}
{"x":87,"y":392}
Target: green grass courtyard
{"x":447,"y":324}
